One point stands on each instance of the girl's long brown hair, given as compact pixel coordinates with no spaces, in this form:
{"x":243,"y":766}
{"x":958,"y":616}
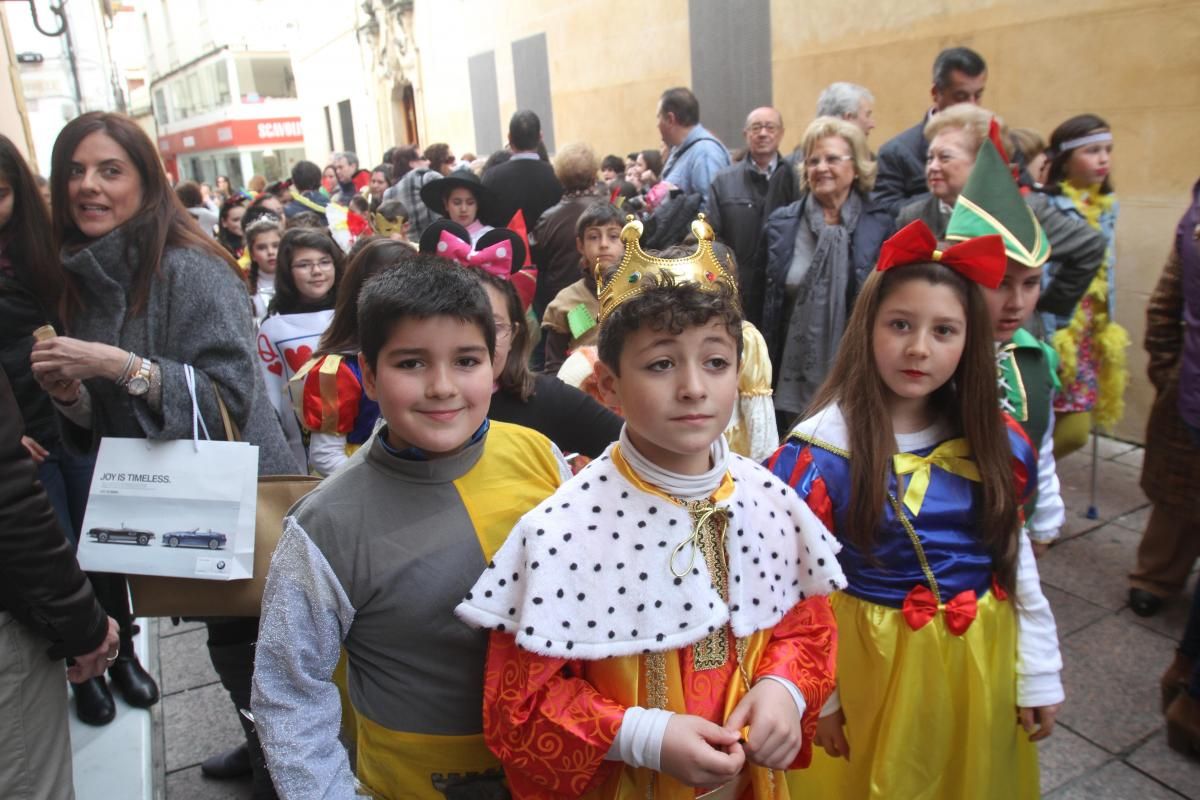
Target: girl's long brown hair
{"x":33,"y":258}
{"x":375,"y":255}
{"x":161,"y":222}
{"x":968,"y":402}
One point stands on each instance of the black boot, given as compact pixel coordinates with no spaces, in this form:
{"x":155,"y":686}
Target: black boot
{"x":234,"y":664}
{"x":131,"y":680}
{"x":93,"y":702}
{"x":231,"y":764}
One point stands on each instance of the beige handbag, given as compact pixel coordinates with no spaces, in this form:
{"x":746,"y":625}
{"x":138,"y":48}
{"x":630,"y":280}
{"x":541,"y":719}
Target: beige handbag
{"x":190,"y":597}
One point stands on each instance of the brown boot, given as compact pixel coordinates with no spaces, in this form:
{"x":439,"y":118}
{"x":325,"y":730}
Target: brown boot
{"x":1176,"y":678}
{"x":1183,"y":725}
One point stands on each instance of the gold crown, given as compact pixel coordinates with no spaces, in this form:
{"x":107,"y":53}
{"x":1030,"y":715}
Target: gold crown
{"x":386,"y":227}
{"x":701,"y":268}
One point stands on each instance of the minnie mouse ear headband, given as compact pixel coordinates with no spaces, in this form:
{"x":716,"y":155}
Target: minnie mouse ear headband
{"x":434,"y":195}
{"x":499,"y":252}
{"x":982,"y":259}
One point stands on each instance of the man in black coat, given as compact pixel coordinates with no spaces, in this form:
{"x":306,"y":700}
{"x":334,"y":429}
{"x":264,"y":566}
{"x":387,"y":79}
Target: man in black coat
{"x":959,"y":76}
{"x":524,"y":182}
{"x":47,"y":613}
{"x":744,"y":194}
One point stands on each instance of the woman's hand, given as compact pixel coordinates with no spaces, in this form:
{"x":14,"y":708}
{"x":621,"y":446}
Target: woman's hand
{"x":36,"y":451}
{"x":59,"y":361}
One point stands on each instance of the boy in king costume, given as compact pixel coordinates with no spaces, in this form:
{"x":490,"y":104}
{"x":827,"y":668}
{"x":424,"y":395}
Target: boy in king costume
{"x":375,"y":559}
{"x":660,"y":623}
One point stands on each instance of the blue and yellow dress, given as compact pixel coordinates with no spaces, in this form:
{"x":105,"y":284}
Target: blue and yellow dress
{"x":927,"y":642}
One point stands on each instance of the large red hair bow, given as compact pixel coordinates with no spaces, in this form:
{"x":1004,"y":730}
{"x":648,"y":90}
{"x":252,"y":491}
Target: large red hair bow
{"x":981,"y":259}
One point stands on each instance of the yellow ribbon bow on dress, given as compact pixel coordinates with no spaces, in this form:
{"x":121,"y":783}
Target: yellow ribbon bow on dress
{"x":953,"y":456}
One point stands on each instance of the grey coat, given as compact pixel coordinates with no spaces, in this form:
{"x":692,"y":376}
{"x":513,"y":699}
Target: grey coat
{"x":198,"y":313}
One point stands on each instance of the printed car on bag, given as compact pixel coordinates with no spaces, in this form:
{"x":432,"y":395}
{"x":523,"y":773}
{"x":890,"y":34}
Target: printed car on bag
{"x":121,"y":534}
{"x":195,"y":538}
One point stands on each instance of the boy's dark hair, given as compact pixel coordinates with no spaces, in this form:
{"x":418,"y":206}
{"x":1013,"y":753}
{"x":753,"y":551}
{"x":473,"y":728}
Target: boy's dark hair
{"x":524,"y":130}
{"x":393,"y":210}
{"x":306,"y":176}
{"x":428,"y":286}
{"x":598,"y":215}
{"x":359,"y":204}
{"x":957,"y":59}
{"x":437,"y":154}
{"x":306,"y":219}
{"x":615,"y":163}
{"x":189,"y":194}
{"x":665,"y":305}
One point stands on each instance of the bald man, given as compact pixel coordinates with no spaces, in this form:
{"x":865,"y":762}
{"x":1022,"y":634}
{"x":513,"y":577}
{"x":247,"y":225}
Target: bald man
{"x":744,"y":195}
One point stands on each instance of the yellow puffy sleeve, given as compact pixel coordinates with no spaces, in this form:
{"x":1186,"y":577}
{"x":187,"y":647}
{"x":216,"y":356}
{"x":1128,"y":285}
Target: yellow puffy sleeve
{"x":755,"y":377}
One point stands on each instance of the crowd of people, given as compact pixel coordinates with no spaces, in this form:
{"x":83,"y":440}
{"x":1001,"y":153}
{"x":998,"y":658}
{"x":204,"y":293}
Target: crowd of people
{"x":644,"y":475}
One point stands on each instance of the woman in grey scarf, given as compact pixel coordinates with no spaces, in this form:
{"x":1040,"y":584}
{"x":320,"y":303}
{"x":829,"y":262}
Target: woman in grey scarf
{"x":815,"y":254}
{"x":147,"y":294}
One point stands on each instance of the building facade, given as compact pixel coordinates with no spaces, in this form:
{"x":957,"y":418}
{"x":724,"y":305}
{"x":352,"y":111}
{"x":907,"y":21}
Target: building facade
{"x":222,"y":89}
{"x":594,"y":70}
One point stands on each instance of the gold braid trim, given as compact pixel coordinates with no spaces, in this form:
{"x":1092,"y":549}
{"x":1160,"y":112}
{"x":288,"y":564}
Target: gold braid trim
{"x":916,"y":543}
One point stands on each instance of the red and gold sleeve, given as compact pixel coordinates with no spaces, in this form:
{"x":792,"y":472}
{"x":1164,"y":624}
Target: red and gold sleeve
{"x":550,"y":728}
{"x":803,"y":650}
{"x":331,"y":397}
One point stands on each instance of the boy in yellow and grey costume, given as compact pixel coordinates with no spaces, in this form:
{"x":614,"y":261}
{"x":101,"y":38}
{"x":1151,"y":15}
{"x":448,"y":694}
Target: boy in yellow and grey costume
{"x":374,"y":560}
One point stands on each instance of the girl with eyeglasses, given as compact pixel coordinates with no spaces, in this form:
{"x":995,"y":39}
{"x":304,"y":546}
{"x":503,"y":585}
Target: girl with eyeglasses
{"x":308,"y":271}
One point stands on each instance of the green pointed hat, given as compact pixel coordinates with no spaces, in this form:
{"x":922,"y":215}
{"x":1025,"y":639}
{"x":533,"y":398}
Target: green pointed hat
{"x":990,"y":203}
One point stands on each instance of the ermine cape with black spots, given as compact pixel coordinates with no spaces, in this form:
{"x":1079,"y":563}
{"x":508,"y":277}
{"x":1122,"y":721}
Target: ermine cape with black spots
{"x":603,"y":568}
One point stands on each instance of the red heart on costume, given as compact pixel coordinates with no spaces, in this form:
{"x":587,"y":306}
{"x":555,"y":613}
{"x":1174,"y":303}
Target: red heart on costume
{"x":299,"y":357}
{"x":277,"y":368}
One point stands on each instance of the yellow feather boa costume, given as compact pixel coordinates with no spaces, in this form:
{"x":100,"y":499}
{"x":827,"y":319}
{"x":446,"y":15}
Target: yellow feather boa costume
{"x":1108,"y":338}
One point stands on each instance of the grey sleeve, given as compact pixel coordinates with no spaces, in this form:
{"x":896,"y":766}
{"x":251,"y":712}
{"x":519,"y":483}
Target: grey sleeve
{"x":1077,"y":249}
{"x":297,"y":710}
{"x":890,"y":180}
{"x":210,"y":328}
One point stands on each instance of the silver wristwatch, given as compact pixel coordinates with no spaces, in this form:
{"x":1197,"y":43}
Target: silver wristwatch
{"x":139,"y":384}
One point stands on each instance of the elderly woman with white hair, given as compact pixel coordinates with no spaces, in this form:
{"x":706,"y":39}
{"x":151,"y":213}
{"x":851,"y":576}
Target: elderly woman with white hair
{"x":815,"y":254}
{"x":955,"y":136}
{"x":850,"y":102}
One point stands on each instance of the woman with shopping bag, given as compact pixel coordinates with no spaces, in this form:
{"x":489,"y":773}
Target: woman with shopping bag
{"x":146,"y":296}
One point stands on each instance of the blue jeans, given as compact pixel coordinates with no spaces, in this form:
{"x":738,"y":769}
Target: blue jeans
{"x":67,"y":477}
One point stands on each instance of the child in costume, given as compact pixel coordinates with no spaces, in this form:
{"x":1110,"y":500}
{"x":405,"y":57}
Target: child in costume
{"x":659,"y":623}
{"x":306,"y":280}
{"x":752,"y":430}
{"x":375,"y":559}
{"x":1027,"y":368}
{"x":262,"y":244}
{"x":1090,"y":344}
{"x":461,"y":198}
{"x":570,"y":320}
{"x":918,"y":473}
{"x":327,"y":392}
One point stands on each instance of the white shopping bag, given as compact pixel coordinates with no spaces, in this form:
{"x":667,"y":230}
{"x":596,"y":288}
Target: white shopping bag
{"x":182,"y":508}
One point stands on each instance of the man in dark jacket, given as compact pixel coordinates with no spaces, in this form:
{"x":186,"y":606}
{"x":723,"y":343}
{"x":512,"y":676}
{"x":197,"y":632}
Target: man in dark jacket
{"x":306,"y":190}
{"x":745,"y":194}
{"x":524,"y":183}
{"x":47,"y":613}
{"x":351,"y":179}
{"x":959,"y":76}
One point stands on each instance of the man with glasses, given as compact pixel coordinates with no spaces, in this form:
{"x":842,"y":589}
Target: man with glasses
{"x":745,"y":194}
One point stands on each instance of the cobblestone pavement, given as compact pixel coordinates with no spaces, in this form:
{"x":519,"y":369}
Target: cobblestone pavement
{"x":1110,"y":742}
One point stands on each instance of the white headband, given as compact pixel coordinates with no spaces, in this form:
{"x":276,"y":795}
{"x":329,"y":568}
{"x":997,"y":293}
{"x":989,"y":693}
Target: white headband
{"x":1091,"y":138}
